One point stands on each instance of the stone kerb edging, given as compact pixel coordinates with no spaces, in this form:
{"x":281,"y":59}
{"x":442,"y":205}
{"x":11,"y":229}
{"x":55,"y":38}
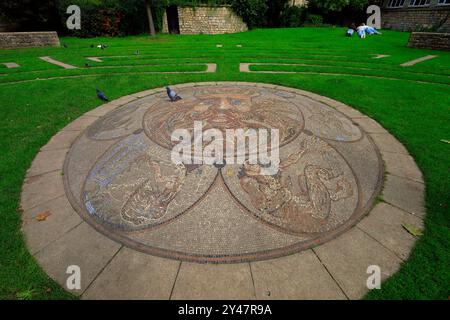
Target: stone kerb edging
{"x":333,"y":270}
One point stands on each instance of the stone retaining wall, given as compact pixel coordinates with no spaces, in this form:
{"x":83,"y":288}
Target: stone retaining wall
{"x":207,"y":20}
{"x":28,"y":39}
{"x":415,"y":19}
{"x":428,"y":40}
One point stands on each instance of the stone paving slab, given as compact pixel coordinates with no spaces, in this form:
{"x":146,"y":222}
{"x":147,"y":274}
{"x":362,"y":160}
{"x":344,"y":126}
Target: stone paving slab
{"x":386,"y":142}
{"x":349,"y":112}
{"x":134,"y":275}
{"x":348,"y":257}
{"x":61,"y":140}
{"x":385,"y":224}
{"x":403,"y":166}
{"x":216,"y":282}
{"x":81,"y":246}
{"x":102,"y":110}
{"x":95,"y":59}
{"x":416,"y":61}
{"x":380,"y":56}
{"x":406,"y":194}
{"x":81,"y":123}
{"x":300,"y":276}
{"x":145,"y":93}
{"x":336,"y":269}
{"x":11,"y":65}
{"x":41,"y":188}
{"x":61,"y":219}
{"x":58,"y":63}
{"x":123,"y":100}
{"x":369,"y":125}
{"x":211,"y":67}
{"x":46,"y":161}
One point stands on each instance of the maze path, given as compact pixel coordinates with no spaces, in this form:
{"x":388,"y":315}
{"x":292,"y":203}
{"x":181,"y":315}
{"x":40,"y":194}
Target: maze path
{"x":416,"y":61}
{"x":11,"y":65}
{"x":58,"y":63}
{"x":94,"y":59}
{"x":245,"y":68}
{"x":381,"y":56}
{"x":210,"y":68}
{"x":373,"y":67}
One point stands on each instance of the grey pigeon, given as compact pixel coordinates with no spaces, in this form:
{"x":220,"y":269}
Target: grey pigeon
{"x":172,"y":95}
{"x":101,"y":95}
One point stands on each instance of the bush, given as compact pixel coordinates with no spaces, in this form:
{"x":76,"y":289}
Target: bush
{"x":29,"y":15}
{"x":293,"y":17}
{"x":337,"y":5}
{"x":253,"y":12}
{"x":314,"y":20}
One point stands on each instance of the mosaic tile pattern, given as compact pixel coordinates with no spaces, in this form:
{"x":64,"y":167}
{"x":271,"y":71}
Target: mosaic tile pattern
{"x":120,"y":178}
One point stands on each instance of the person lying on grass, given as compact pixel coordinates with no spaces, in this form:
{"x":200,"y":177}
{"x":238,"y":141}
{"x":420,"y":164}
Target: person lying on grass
{"x":351,"y":30}
{"x":372,"y":30}
{"x":362,"y":30}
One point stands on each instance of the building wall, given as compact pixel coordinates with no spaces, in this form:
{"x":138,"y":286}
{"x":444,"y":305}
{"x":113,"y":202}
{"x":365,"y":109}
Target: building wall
{"x":429,"y":40}
{"x":416,"y":18}
{"x":28,"y":39}
{"x":207,"y":20}
{"x":299,"y":3}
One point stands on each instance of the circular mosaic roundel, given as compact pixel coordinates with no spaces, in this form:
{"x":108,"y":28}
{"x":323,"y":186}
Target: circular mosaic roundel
{"x":120,"y":177}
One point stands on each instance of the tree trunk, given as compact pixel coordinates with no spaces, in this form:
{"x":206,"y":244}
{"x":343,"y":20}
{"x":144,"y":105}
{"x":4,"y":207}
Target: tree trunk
{"x":150,"y":17}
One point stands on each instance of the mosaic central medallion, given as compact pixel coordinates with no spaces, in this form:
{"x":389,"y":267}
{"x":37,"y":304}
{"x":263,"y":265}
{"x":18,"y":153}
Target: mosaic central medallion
{"x":120,"y":178}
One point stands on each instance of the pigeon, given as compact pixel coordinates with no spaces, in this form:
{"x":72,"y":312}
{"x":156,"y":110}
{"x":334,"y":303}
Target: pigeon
{"x":102,"y":46}
{"x":136,"y":52}
{"x":172,"y":95}
{"x":101,"y":95}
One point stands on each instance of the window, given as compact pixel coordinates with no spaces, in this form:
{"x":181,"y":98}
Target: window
{"x":443,"y":2}
{"x":419,"y":3}
{"x":396,"y":3}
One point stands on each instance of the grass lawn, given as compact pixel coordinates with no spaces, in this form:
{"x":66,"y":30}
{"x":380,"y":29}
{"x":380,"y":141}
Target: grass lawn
{"x":412,"y":103}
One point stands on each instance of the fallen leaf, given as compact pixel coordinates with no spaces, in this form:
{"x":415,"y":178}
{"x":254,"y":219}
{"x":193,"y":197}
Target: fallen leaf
{"x":416,"y":232}
{"x":43,"y":215}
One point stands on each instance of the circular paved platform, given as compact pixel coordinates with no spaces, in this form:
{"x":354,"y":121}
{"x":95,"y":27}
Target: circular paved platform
{"x":119,"y":178}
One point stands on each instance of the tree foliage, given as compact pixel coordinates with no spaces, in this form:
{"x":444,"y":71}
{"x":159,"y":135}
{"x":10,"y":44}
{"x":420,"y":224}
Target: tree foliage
{"x":253,"y":12}
{"x":338,"y":5}
{"x":30,"y":15}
